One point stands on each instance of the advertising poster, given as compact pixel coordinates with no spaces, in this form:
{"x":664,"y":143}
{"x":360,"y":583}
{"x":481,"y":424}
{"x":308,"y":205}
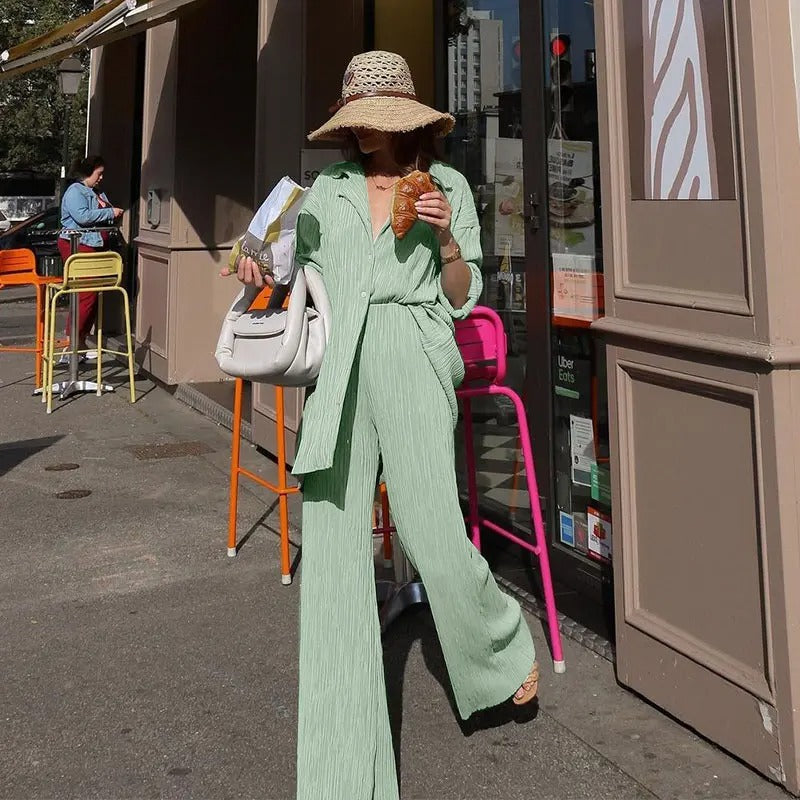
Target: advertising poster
{"x":581,"y":439}
{"x":509,"y":198}
{"x":576,"y":287}
{"x":566,"y":528}
{"x":570,"y":174}
{"x":599,"y":525}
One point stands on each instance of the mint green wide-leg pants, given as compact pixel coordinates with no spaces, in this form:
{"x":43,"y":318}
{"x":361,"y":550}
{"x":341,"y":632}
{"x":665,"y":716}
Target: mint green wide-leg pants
{"x":395,"y":409}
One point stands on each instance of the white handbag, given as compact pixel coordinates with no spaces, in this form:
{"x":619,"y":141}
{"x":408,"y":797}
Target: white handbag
{"x":280,"y":347}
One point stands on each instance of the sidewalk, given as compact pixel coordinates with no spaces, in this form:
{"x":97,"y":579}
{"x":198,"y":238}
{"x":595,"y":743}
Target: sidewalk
{"x":140,"y":661}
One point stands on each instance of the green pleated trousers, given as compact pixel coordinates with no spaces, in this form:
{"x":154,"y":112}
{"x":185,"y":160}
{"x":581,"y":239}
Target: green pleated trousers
{"x":395,"y":411}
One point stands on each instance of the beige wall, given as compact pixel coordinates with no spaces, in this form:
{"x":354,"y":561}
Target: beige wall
{"x":199,"y":139}
{"x":215,"y":123}
{"x":158,"y":123}
{"x":334,"y":32}
{"x":702,"y":339}
{"x":110,"y":133}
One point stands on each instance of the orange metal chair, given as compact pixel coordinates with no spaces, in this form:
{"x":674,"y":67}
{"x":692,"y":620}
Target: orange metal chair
{"x":18,"y":268}
{"x":383,"y":528}
{"x":283,"y":490}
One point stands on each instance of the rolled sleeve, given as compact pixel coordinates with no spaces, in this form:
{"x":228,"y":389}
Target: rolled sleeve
{"x":467,"y":233}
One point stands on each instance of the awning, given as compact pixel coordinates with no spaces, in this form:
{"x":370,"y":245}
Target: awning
{"x":110,"y":21}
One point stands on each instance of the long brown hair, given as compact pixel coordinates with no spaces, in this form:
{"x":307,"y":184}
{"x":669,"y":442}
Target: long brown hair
{"x":416,"y":149}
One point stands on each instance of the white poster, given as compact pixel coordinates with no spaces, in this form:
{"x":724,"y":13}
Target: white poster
{"x":509,"y":198}
{"x":312,"y":162}
{"x":576,"y":288}
{"x":571,"y":196}
{"x":581,"y":437}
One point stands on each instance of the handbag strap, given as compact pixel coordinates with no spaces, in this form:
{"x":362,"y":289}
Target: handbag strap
{"x":319,"y":296}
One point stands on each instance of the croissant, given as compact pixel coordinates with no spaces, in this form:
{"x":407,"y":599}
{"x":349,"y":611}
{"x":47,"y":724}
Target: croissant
{"x":406,"y":193}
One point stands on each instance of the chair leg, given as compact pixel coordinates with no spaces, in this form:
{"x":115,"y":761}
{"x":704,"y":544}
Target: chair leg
{"x":236,"y":443}
{"x":559,"y":664}
{"x":51,"y":346}
{"x":283,"y":498}
{"x":99,"y":345}
{"x":472,"y":483}
{"x":45,"y":341}
{"x":39,"y":338}
{"x":129,"y":342}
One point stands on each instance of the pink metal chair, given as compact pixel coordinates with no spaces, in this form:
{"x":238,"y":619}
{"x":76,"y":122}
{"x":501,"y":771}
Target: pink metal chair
{"x":481,"y":338}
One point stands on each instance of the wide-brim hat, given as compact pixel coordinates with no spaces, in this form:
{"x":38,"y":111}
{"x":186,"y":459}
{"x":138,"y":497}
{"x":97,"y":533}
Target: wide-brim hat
{"x":378,"y":93}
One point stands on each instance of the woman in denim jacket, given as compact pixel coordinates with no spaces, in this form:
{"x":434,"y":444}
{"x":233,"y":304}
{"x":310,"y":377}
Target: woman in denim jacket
{"x":85,"y":206}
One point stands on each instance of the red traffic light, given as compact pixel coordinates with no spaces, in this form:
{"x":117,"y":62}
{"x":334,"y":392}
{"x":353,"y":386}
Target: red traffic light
{"x":559,"y":45}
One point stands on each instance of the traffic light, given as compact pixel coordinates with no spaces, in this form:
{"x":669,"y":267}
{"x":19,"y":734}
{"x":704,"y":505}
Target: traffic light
{"x":561,"y":91}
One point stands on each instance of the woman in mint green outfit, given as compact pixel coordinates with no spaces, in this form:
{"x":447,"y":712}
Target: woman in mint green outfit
{"x":385,"y":398}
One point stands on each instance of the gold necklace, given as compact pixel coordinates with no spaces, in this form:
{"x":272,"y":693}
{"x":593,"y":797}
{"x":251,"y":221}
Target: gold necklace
{"x":383,"y":188}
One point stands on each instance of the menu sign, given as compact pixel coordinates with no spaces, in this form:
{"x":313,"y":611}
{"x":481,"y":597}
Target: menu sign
{"x":570,"y":173}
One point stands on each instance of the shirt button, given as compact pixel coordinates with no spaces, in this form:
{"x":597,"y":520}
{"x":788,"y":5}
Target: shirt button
{"x":363,"y":294}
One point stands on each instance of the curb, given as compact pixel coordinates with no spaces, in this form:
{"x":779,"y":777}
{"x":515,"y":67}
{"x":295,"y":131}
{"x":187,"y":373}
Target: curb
{"x":567,"y":627}
{"x":195,"y":399}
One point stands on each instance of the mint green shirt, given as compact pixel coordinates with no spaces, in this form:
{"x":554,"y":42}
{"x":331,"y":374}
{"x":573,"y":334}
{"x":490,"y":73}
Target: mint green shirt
{"x":334,"y":236}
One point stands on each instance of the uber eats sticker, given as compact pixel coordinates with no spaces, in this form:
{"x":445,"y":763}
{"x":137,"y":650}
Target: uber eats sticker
{"x":572,"y":376}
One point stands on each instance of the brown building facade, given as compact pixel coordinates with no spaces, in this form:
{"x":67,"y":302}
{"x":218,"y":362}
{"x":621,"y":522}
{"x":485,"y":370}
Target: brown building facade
{"x":636,"y":166}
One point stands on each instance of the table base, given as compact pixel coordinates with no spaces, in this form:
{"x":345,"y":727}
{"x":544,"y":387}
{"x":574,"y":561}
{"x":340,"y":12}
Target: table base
{"x":398,"y":598}
{"x":65,"y":389}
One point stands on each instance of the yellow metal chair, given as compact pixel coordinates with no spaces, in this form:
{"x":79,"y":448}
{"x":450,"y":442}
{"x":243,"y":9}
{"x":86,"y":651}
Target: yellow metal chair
{"x":87,"y":272}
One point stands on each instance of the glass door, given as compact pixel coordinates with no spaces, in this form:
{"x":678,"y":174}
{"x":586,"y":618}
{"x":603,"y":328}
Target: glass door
{"x":581,"y":526}
{"x":521,"y":83}
{"x":484,"y":79}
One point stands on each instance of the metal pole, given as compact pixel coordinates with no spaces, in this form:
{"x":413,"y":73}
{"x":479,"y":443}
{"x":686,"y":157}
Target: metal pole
{"x":62,"y":185}
{"x":74,"y":333}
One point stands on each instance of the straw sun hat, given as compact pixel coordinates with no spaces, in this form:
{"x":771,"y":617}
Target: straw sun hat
{"x":378,"y":93}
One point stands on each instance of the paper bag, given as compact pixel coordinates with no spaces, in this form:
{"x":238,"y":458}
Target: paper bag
{"x":269,"y":239}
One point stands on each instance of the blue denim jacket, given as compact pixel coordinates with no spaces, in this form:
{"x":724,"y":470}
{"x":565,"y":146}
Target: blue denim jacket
{"x":80,"y":209}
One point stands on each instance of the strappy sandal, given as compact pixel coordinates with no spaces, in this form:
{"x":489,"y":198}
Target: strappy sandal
{"x":529,"y":688}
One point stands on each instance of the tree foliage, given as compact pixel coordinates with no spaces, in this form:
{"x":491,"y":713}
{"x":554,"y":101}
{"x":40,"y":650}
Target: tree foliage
{"x":31,"y":106}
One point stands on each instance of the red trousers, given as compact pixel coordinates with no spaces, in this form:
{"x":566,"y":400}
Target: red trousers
{"x":87,"y":301}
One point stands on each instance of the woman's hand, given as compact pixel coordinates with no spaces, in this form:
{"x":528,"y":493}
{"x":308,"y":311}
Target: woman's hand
{"x":118,"y":212}
{"x":433,"y":208}
{"x":248,"y":272}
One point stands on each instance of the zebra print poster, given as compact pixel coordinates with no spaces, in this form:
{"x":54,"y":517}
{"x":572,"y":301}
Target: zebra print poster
{"x":679,"y":151}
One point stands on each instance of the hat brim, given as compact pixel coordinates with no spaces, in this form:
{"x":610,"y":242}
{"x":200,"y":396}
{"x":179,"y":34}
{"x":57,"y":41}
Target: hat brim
{"x":388,"y":114}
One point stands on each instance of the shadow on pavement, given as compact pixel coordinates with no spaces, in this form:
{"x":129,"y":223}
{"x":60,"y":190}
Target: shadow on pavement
{"x":14,"y":453}
{"x":414,"y":625}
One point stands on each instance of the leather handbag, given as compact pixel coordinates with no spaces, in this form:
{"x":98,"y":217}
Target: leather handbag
{"x":283,"y":347}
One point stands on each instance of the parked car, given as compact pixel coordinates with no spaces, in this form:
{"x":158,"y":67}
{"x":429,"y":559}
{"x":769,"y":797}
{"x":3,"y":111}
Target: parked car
{"x":40,"y":234}
{"x":5,"y":223}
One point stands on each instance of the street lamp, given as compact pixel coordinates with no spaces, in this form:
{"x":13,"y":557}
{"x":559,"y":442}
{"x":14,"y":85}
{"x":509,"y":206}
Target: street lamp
{"x":70,"y":73}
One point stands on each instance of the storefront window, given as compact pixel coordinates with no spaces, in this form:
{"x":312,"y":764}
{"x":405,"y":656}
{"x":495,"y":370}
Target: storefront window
{"x":580,"y":431}
{"x":487,"y":147}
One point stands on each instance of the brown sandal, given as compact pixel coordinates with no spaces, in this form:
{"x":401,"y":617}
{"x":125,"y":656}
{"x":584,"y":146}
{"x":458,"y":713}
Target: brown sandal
{"x":530,"y":686}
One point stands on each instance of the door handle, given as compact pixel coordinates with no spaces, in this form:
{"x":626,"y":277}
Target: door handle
{"x":532,"y":217}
